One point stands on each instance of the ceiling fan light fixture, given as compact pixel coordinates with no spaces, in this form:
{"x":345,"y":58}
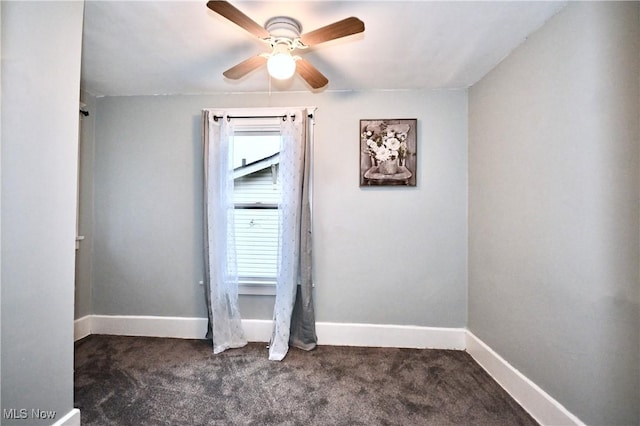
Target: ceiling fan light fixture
{"x":283,"y":33}
{"x":281,"y":65}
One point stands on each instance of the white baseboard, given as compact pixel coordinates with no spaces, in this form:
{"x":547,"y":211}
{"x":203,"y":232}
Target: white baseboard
{"x":152,"y":326}
{"x":542,"y":407}
{"x":338,"y":334}
{"x":134,"y":325}
{"x":395,"y":336}
{"x":72,"y":418}
{"x":82,"y":327}
{"x":531,"y":397}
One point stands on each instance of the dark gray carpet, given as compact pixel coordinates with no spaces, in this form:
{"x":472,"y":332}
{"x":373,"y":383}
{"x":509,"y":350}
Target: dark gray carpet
{"x":151,"y":381}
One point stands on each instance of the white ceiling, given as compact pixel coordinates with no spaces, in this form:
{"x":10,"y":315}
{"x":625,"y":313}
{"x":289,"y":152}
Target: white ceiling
{"x":182,"y":47}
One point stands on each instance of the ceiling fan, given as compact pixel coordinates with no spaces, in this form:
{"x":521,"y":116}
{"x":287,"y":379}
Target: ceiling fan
{"x":282,"y":33}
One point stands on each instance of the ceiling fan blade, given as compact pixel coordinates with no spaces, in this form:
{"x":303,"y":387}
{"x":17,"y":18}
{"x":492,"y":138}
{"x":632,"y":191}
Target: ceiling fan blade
{"x":245,"y":67}
{"x":310,"y":74}
{"x":228,"y":11}
{"x":333,"y":31}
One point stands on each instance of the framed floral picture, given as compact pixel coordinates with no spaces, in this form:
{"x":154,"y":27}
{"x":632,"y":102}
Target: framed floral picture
{"x":388,"y":152}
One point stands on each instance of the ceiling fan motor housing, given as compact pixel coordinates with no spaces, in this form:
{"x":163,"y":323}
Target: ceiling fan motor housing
{"x":283,"y":27}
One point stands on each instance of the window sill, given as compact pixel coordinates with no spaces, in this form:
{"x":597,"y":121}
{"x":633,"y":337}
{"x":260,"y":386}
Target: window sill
{"x":257,"y":288}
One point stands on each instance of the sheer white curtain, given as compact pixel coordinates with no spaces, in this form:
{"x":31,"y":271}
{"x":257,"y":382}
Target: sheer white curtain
{"x":294,"y":287}
{"x":221,"y":279}
{"x":294,"y":320}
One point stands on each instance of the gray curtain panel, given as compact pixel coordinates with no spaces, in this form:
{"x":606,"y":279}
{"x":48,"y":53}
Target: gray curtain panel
{"x":303,"y":323}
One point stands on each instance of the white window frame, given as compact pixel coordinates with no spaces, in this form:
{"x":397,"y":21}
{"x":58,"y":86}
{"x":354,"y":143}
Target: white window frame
{"x":253,"y":285}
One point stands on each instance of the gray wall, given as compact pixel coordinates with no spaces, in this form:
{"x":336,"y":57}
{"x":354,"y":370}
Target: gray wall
{"x":553,"y":210}
{"x":382,"y":255}
{"x":84,"y":254}
{"x":41,"y":44}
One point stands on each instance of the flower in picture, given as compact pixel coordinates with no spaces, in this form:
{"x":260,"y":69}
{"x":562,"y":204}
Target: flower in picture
{"x":385,"y":142}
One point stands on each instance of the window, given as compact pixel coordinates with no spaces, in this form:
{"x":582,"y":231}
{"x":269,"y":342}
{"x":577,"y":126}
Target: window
{"x":256,"y":196}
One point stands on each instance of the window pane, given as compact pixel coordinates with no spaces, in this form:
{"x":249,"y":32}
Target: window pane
{"x":252,"y":148}
{"x":258,"y":187}
{"x":256,"y":160}
{"x":257,"y":242}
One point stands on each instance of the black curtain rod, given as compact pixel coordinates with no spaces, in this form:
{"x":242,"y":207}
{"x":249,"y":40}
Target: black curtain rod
{"x":284,"y":117}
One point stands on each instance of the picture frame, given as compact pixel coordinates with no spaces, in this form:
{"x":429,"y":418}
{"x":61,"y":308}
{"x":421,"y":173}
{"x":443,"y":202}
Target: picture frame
{"x":388,"y":152}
